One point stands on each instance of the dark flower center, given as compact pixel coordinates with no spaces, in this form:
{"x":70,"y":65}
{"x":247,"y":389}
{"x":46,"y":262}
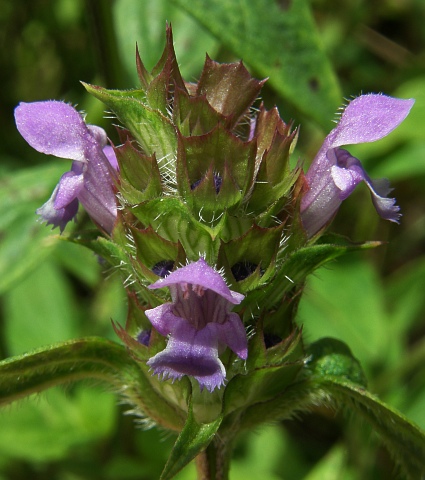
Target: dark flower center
{"x":144,"y":337}
{"x":217,"y":183}
{"x":242,"y":270}
{"x":163,"y":268}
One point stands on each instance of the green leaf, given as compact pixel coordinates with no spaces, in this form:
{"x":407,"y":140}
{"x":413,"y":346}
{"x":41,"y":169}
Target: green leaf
{"x":330,"y":307}
{"x":40,"y":310}
{"x":144,"y":23}
{"x":331,"y":357}
{"x":279,"y":42}
{"x":193,"y":439}
{"x":24,"y":243}
{"x":89,"y":358}
{"x":298,"y":264}
{"x":404,"y":440}
{"x":46,"y":429}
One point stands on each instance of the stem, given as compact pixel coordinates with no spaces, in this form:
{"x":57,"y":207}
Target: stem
{"x":214,"y":462}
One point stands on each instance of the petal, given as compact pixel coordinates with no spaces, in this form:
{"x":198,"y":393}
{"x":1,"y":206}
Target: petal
{"x":200,"y":273}
{"x":68,"y":188}
{"x":162,"y":318}
{"x":54,"y":128}
{"x":99,"y":135}
{"x":232,"y":333}
{"x":110,"y":155}
{"x":58,"y":217}
{"x":98,"y":195}
{"x":386,"y":207}
{"x":193,"y":353}
{"x":368,"y":118}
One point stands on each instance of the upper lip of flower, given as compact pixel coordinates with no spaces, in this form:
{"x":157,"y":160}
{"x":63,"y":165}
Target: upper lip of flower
{"x":334,"y":173}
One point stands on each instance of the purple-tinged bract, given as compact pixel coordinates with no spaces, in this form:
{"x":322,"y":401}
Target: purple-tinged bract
{"x":56,"y":128}
{"x":334,"y":173}
{"x":199,"y":324}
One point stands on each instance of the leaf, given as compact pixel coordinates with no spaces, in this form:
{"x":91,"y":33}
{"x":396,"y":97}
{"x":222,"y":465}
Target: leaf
{"x":89,"y":358}
{"x":193,"y":439}
{"x":331,"y":357}
{"x":404,"y":440}
{"x":24,"y":243}
{"x":47,"y":429}
{"x":40,"y":310}
{"x":330,"y":307}
{"x":279,"y":42}
{"x":144,"y":23}
{"x":298,"y":264}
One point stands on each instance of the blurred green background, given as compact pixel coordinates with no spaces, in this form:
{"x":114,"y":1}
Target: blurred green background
{"x":373,"y":301}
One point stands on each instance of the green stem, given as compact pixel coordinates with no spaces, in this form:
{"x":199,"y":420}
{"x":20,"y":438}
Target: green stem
{"x":214,"y":462}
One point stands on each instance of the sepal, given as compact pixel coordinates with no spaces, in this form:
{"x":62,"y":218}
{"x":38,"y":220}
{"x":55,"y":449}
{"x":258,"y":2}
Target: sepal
{"x":140,"y":178}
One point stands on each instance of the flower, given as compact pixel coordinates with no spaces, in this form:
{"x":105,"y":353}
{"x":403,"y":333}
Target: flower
{"x":334,"y":173}
{"x":56,"y":128}
{"x":199,"y":324}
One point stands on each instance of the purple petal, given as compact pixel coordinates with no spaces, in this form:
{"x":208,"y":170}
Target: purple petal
{"x":232,"y":333}
{"x":368,"y":118}
{"x":68,"y":188}
{"x":110,"y":155}
{"x":98,"y":134}
{"x":54,"y":128}
{"x":162,"y":318}
{"x":334,"y":173}
{"x":58,"y":217}
{"x":190,"y":352}
{"x":98,"y":196}
{"x":200,"y":273}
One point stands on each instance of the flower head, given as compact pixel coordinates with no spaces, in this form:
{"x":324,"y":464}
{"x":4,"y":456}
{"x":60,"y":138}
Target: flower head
{"x":199,"y":324}
{"x":56,"y":128}
{"x":334,"y":173}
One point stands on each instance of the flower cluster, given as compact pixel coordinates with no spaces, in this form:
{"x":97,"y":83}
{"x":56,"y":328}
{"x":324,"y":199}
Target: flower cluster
{"x":201,"y":179}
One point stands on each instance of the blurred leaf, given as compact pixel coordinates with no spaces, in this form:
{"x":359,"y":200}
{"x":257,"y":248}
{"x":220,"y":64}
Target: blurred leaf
{"x":87,"y":358}
{"x":332,"y":466}
{"x":404,"y":440}
{"x":405,"y":294}
{"x":23,"y":241}
{"x":279,"y":40}
{"x":331,"y":357}
{"x":72,"y":257}
{"x":47,"y":429}
{"x":263,"y":450}
{"x":193,"y":439}
{"x":406,"y":162}
{"x":347,"y":303}
{"x":40,"y":310}
{"x":144,"y":22}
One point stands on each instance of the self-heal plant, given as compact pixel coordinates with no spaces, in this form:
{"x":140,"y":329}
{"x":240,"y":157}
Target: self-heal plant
{"x":214,"y":234}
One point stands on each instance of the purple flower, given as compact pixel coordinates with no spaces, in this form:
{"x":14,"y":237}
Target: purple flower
{"x":334,"y":173}
{"x":199,"y":324}
{"x":56,"y":128}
